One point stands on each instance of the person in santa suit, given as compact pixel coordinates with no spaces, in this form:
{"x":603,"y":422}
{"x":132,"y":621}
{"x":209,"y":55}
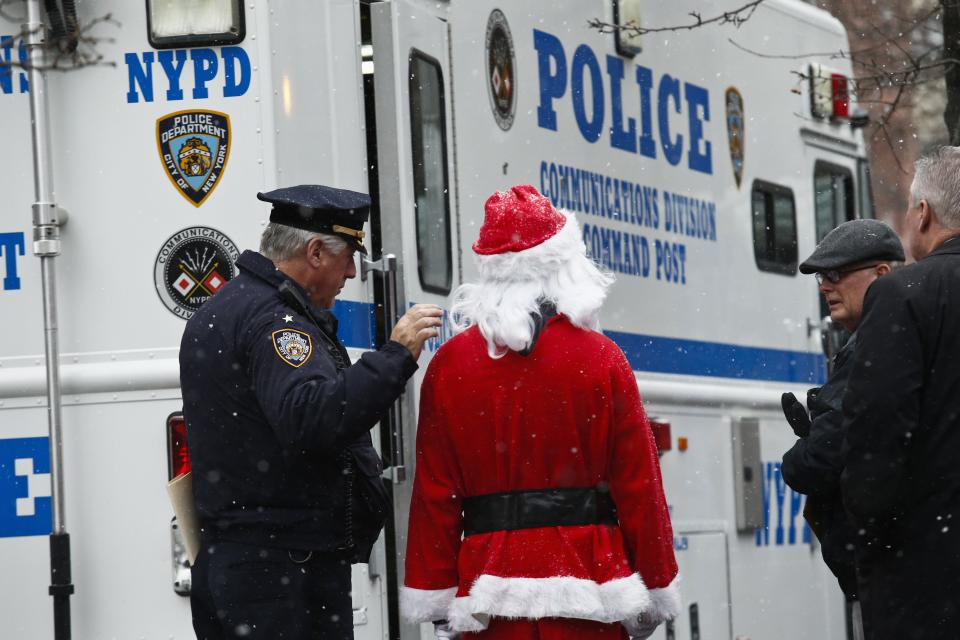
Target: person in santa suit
{"x":538,"y":509}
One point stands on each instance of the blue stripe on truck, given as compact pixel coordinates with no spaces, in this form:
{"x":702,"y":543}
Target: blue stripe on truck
{"x":649,"y":353}
{"x":718,"y":360}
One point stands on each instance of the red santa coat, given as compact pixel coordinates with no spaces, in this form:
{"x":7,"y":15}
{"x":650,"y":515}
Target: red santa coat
{"x":566,"y":415}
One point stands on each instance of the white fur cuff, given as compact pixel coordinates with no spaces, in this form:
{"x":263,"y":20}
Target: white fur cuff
{"x":558,"y":597}
{"x":425,"y":605}
{"x":664,"y":603}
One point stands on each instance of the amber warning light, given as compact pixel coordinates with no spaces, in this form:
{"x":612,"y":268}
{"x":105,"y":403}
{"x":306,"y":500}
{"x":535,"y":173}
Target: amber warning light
{"x":178,"y":458}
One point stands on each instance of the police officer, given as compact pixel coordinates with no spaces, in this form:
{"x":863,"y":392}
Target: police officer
{"x":286,"y":481}
{"x":846,"y":262}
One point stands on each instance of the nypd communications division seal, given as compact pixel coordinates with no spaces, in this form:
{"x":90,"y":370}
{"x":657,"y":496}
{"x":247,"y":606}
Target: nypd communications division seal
{"x":294,"y":347}
{"x":192,"y":265}
{"x":735,"y":132}
{"x":501,"y":64}
{"x":194,"y":147}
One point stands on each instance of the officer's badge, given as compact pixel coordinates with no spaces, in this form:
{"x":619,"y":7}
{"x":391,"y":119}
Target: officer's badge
{"x":501,"y":65}
{"x":294,"y":347}
{"x":194,"y":146}
{"x":735,"y":132}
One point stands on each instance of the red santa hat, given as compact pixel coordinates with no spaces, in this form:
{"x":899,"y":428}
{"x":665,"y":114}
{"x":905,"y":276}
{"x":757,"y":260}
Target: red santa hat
{"x":516,"y":220}
{"x":528,"y":253}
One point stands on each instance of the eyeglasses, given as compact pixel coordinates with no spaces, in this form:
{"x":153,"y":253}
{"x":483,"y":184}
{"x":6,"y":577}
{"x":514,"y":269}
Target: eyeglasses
{"x":836,"y":275}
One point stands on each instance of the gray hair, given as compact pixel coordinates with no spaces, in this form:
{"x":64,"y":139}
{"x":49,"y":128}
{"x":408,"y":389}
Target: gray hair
{"x":936,"y":179}
{"x":281,"y":243}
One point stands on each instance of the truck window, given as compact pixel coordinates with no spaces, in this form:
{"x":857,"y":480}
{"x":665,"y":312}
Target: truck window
{"x":430,"y":185}
{"x":774,"y":228}
{"x":832,"y":196}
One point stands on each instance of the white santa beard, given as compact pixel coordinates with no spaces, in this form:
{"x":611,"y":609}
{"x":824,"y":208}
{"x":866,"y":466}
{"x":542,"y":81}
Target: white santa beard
{"x":513,"y":284}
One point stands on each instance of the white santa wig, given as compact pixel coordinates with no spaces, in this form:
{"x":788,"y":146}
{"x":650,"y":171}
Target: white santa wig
{"x":513,"y":284}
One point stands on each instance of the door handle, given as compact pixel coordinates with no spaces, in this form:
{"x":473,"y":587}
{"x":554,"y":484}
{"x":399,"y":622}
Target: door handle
{"x":387,"y":267}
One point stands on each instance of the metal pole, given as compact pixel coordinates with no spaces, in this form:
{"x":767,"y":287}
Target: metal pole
{"x":46,"y":246}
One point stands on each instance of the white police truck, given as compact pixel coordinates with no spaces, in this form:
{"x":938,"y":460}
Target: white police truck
{"x":700,"y":172}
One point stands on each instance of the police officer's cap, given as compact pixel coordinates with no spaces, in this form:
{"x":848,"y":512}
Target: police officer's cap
{"x":321,"y":209}
{"x":854,"y":242}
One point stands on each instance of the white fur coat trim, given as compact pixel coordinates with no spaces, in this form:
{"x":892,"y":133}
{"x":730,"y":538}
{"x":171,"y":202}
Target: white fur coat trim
{"x":425,"y":605}
{"x":561,"y":597}
{"x":664,"y":603}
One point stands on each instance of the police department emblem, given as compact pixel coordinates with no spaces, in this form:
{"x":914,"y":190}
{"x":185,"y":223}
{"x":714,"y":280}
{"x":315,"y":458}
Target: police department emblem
{"x":501,"y":63}
{"x":735,"y":132}
{"x":194,"y":147}
{"x":192,"y":265}
{"x":294,"y":347}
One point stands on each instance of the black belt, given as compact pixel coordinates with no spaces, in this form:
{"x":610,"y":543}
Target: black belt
{"x":538,"y":508}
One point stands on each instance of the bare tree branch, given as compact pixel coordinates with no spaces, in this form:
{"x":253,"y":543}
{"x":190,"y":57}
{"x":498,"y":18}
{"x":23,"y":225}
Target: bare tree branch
{"x":893,"y":150}
{"x":82,"y":50}
{"x":736,"y":17}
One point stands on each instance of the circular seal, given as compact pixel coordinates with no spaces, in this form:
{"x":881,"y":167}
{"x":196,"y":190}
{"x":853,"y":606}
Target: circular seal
{"x":501,"y":65}
{"x":191,"y":266}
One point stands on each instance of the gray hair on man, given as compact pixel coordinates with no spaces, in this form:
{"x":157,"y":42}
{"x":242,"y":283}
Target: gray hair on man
{"x":936,"y":179}
{"x":280,"y":243}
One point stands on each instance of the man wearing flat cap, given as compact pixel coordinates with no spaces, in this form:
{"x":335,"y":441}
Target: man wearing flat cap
{"x":286,"y":481}
{"x":901,"y":482}
{"x":846,"y":262}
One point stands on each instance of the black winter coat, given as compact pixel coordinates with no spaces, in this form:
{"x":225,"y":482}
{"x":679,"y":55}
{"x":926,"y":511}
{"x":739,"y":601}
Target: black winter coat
{"x":902,"y":477}
{"x":278,"y":420}
{"x":813,"y":467}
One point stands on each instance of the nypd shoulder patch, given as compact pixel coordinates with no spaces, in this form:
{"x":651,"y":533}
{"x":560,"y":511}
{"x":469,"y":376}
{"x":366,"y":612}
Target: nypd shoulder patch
{"x":293,"y":346}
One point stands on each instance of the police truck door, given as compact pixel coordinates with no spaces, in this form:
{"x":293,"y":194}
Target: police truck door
{"x":418,"y":215}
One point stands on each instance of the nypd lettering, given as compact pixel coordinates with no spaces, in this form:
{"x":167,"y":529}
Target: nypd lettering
{"x":191,"y":266}
{"x":735,"y":131}
{"x":294,"y":347}
{"x":11,"y":246}
{"x":194,"y":146}
{"x":25,"y":506}
{"x":231,"y":70}
{"x":10,"y":81}
{"x":501,"y":63}
{"x":590,"y":87}
{"x":782,"y":511}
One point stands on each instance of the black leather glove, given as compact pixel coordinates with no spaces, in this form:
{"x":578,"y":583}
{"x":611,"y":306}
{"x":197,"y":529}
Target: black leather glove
{"x":796,"y":415}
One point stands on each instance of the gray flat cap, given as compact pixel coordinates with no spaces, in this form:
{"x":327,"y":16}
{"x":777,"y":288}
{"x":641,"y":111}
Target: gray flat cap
{"x":853,"y":242}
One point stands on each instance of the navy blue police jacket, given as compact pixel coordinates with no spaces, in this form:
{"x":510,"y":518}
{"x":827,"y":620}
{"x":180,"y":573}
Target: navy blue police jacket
{"x":278,"y":421}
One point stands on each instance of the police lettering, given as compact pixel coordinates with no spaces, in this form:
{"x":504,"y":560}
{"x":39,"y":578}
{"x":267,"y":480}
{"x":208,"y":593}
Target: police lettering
{"x":193,"y":123}
{"x":11,"y":245}
{"x":618,"y":251}
{"x":233,"y":64}
{"x":590,"y":85}
{"x":7,"y":64}
{"x":671,"y":261}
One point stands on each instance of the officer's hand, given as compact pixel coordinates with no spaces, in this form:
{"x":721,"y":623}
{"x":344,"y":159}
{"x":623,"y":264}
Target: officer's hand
{"x":639,"y":628}
{"x":418,"y":325}
{"x":796,"y":415}
{"x":443,"y":631}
